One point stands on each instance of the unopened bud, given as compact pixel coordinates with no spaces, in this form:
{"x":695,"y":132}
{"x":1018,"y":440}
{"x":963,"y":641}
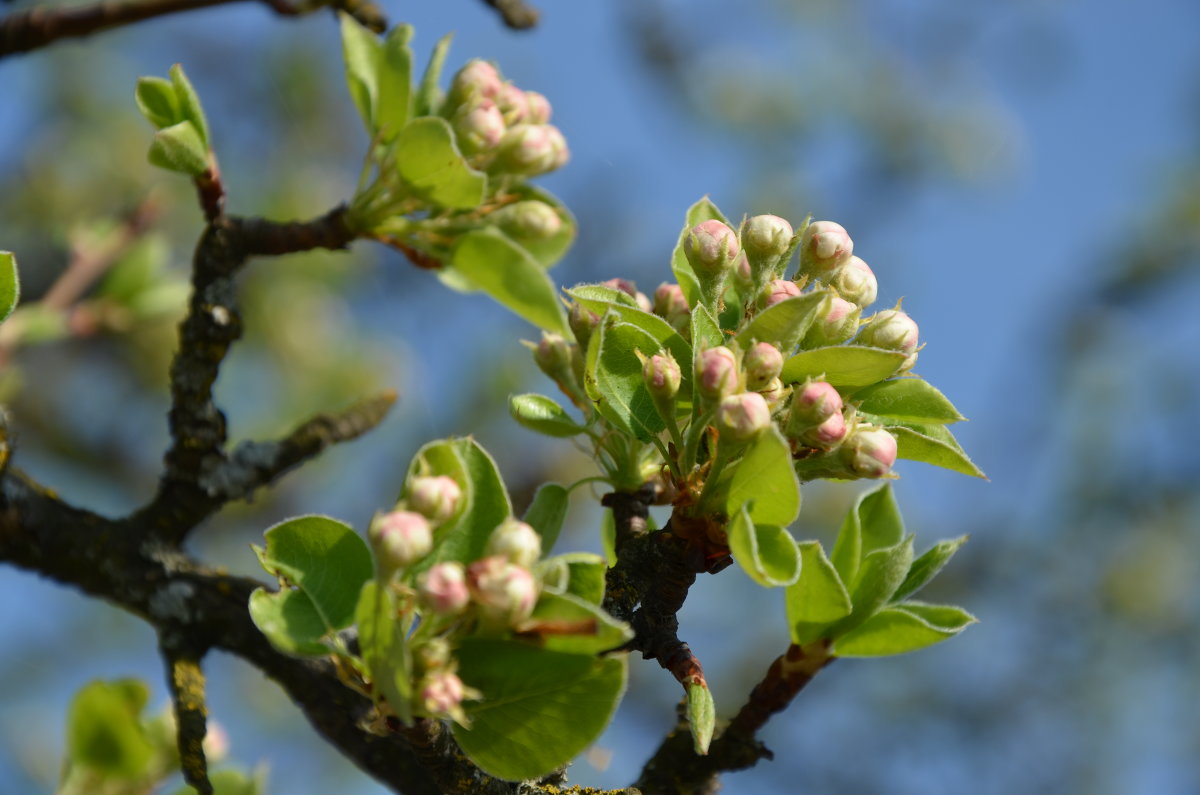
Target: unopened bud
{"x":478,"y":127}
{"x":767,"y":236}
{"x":400,"y":539}
{"x":892,"y":329}
{"x":779,"y":290}
{"x":437,"y":498}
{"x":513,"y":104}
{"x":711,"y":247}
{"x":743,"y":416}
{"x":531,"y":149}
{"x":762,"y":363}
{"x":775,"y":392}
{"x":856,"y":282}
{"x":836,"y":322}
{"x":671,"y":305}
{"x":539,"y":108}
{"x":824,"y":247}
{"x":662,"y":376}
{"x":442,"y":693}
{"x":583,"y":322}
{"x":478,"y":79}
{"x":826,"y":435}
{"x":516,"y":541}
{"x":812,"y":404}
{"x":716,"y":373}
{"x":528,"y":220}
{"x":553,"y":355}
{"x":433,"y":655}
{"x":443,"y":588}
{"x":743,"y":278}
{"x":869,"y":452}
{"x":502,"y":589}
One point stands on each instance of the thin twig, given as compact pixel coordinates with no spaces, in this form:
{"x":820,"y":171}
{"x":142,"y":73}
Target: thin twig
{"x":186,"y":683}
{"x":516,"y":14}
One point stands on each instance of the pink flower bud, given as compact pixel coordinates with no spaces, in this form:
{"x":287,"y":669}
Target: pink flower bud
{"x":827,"y":435}
{"x":812,"y":404}
{"x":478,"y":127}
{"x":711,"y":247}
{"x":836,"y":322}
{"x":671,"y":305}
{"x":662,"y":376}
{"x":779,"y":290}
{"x":643,"y":302}
{"x":891,"y":329}
{"x":528,"y":220}
{"x":502,"y":589}
{"x":583,"y":322}
{"x":516,"y":541}
{"x":824,"y":248}
{"x":539,"y":108}
{"x":716,"y":373}
{"x":531,"y":149}
{"x":476,"y":79}
{"x":869,"y":452}
{"x":400,"y":539}
{"x":442,"y":693}
{"x":743,"y":416}
{"x":767,"y":236}
{"x":436,"y":498}
{"x":762,"y":363}
{"x":553,"y":355}
{"x":624,"y":285}
{"x":856,"y":282}
{"x":443,"y":588}
{"x":513,"y":104}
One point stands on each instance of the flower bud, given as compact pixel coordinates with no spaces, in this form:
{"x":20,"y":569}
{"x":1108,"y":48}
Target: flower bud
{"x":443,"y":588}
{"x":767,"y":236}
{"x":433,"y":655}
{"x":869,"y":452}
{"x":436,"y":498}
{"x":778,"y":290}
{"x":478,"y":127}
{"x":583,"y":322}
{"x":539,"y":108}
{"x":824,"y":248}
{"x":662,"y":376}
{"x":516,"y":541}
{"x":775,"y":392}
{"x":513,"y":104}
{"x":856,"y":282}
{"x":531,"y":149}
{"x":892,"y":329}
{"x":762,"y":363}
{"x":442,"y":693}
{"x":400,"y":539}
{"x":743,"y":278}
{"x":711,"y":247}
{"x":477,"y":79}
{"x":836,"y":322}
{"x":671,"y":305}
{"x":553,"y":355}
{"x":826,"y":435}
{"x":528,"y":220}
{"x":624,"y":285}
{"x":716,"y":373}
{"x":502,"y":589}
{"x":743,"y":416}
{"x":812,"y":404}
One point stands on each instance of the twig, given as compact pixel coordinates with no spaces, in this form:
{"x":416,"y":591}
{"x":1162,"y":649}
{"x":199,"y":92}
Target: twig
{"x":516,"y":14}
{"x":186,"y":682}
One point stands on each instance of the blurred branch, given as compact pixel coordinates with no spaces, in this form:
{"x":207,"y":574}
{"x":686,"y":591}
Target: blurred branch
{"x":38,"y":27}
{"x":516,"y":14}
{"x":186,"y":682}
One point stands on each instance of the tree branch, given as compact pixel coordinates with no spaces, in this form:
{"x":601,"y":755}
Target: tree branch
{"x":516,"y":14}
{"x":186,"y":682}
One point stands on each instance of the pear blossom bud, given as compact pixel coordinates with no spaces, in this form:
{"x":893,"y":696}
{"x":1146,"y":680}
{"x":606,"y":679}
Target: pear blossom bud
{"x":442,"y":693}
{"x":539,"y":108}
{"x":436,"y":498}
{"x":812,"y":404}
{"x":826,"y":435}
{"x":716,"y":373}
{"x":478,"y":127}
{"x":869,"y":452}
{"x":762,"y":363}
{"x":643,"y":302}
{"x":767,"y":236}
{"x":743,"y":416}
{"x":624,"y":285}
{"x":662,"y":376}
{"x":583,"y":322}
{"x":892,"y":329}
{"x":824,"y":247}
{"x":529,"y":220}
{"x":502,"y":589}
{"x":433,"y":655}
{"x":671,"y":305}
{"x":400,"y":539}
{"x":516,"y":541}
{"x":856,"y":282}
{"x":553,"y":355}
{"x":513,"y":104}
{"x":779,"y":290}
{"x":443,"y":588}
{"x":836,"y":322}
{"x":711,"y":247}
{"x":531,"y":149}
{"x":477,"y":78}
{"x":742,"y":275}
{"x":774,"y":392}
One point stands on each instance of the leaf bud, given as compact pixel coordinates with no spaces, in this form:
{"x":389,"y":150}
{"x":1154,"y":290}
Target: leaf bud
{"x":762,"y":363}
{"x":869,"y":452}
{"x":528,"y":220}
{"x":856,"y":282}
{"x":400,"y":539}
{"x":531,"y":149}
{"x":824,"y":247}
{"x":767,"y":236}
{"x":742,"y":417}
{"x":442,"y":694}
{"x":539,"y":108}
{"x":779,"y":290}
{"x":436,"y":498}
{"x":662,"y":376}
{"x":516,"y":541}
{"x":716,"y":373}
{"x":478,"y":127}
{"x":443,"y":588}
{"x":892,"y":329}
{"x":836,"y":322}
{"x":711,"y":247}
{"x":504,"y":590}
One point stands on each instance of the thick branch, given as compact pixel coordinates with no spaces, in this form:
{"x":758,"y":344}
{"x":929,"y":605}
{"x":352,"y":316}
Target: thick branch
{"x":516,"y":14}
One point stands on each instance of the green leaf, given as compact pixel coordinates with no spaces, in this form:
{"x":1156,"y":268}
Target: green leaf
{"x":784,"y":323}
{"x":395,"y":81}
{"x":816,"y":600}
{"x":10,"y":284}
{"x":706,"y":332}
{"x":547,"y":513}
{"x":429,"y":95}
{"x":157,"y":100}
{"x":911,"y":399}
{"x":430,"y":163}
{"x":615,"y":382}
{"x":382,"y":644}
{"x":872,"y":523}
{"x":764,"y":479}
{"x":180,"y":148}
{"x":587,"y":572}
{"x":933,"y":444}
{"x":326,"y":563}
{"x":189,"y":104}
{"x":543,"y":415}
{"x":608,"y":537}
{"x":703,"y":210}
{"x":879,"y":576}
{"x":842,"y":365}
{"x":362,"y":52}
{"x":596,"y":298}
{"x":104,"y":730}
{"x":702,"y":716}
{"x":507,"y":273}
{"x":137,"y":270}
{"x":767,"y":553}
{"x":903,"y":628}
{"x":926,"y":567}
{"x":539,"y":709}
{"x":568,"y":623}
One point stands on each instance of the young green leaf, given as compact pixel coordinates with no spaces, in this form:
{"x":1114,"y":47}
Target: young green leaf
{"x":764,"y":479}
{"x":394,"y":107}
{"x":362,"y":52}
{"x":189,"y":104}
{"x":429,"y":161}
{"x":767,"y":553}
{"x":10,"y":284}
{"x":842,"y":365}
{"x":706,"y":332}
{"x":547,"y":513}
{"x":382,"y":644}
{"x":907,"y":399}
{"x":568,"y":623}
{"x":702,"y":716}
{"x":615,"y":382}
{"x":926,"y":567}
{"x":783,"y":324}
{"x":933,"y":444}
{"x":507,"y":273}
{"x":539,"y":708}
{"x":872,"y":523}
{"x":104,"y":730}
{"x":543,"y":415}
{"x":586,"y":575}
{"x":158,"y":101}
{"x":818,"y":599}
{"x":592,"y":298}
{"x":180,"y":148}
{"x":879,"y":576}
{"x":290,"y":620}
{"x":429,"y":95}
{"x":903,"y":628}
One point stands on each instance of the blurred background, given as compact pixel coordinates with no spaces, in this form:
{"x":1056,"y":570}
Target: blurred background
{"x":1026,"y":175}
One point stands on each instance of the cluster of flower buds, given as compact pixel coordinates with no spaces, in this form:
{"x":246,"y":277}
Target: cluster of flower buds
{"x":440,"y":692}
{"x":501,"y":127}
{"x":501,"y":584}
{"x":817,"y":421}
